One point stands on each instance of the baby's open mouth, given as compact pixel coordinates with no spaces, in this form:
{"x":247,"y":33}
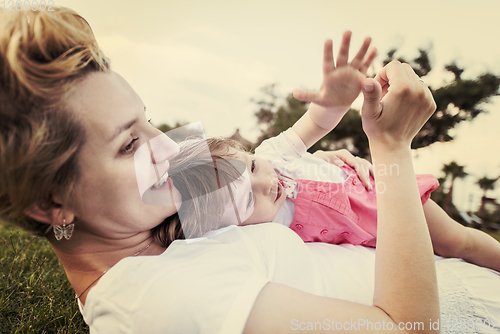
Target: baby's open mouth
{"x":279,"y":191}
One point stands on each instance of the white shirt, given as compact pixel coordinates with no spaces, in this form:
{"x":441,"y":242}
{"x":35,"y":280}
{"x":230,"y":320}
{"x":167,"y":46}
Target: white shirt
{"x":210,"y":286}
{"x":207,"y":286}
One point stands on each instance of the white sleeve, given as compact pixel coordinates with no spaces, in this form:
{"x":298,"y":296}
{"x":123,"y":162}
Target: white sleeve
{"x":286,"y":146}
{"x":287,"y":153}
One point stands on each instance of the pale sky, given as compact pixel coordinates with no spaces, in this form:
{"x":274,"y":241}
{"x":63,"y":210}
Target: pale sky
{"x":203,"y":60}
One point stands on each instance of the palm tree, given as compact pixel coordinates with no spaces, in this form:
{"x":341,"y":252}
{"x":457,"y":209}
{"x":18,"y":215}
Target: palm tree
{"x":486,"y":184}
{"x":454,"y":171}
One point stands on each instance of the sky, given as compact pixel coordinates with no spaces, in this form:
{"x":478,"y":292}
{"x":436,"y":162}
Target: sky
{"x":195,"y":60}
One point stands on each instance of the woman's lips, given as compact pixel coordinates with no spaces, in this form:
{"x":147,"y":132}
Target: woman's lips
{"x":160,"y":182}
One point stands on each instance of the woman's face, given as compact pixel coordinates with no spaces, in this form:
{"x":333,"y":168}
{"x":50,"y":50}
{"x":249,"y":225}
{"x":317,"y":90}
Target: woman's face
{"x":107,"y":196}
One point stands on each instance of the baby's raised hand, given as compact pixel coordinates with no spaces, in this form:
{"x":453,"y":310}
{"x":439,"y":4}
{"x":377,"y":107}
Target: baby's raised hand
{"x":342,"y":82}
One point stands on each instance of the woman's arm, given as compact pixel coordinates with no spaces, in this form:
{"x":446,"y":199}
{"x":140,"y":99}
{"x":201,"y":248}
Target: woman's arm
{"x":404,"y":247}
{"x":405,"y":279}
{"x":341,"y":85}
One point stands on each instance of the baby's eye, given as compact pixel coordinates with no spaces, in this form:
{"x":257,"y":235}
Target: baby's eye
{"x":149,"y":120}
{"x":250,"y":200}
{"x":252,"y":167}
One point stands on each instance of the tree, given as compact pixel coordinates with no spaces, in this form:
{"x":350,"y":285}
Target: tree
{"x":439,"y":195}
{"x":275,"y":119}
{"x":180,"y":131}
{"x":485,"y":184}
{"x":453,"y":171}
{"x":458,"y":101}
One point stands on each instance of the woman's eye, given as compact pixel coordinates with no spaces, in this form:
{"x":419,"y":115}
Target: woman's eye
{"x":130,"y":147}
{"x":252,"y":167}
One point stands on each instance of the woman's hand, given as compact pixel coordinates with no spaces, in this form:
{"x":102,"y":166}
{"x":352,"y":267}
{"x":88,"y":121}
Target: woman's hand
{"x":407,"y":103}
{"x":363,"y":167}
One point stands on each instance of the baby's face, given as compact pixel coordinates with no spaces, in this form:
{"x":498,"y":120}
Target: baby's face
{"x":267,"y":193}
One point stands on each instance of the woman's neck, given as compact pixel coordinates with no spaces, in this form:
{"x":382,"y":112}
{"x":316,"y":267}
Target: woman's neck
{"x":85,"y":262}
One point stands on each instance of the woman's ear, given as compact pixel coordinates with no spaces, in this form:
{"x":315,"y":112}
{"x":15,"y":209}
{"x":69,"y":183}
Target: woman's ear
{"x":35,"y":212}
{"x":53,"y":215}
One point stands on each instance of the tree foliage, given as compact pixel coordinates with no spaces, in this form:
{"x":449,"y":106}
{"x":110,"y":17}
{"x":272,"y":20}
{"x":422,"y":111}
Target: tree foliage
{"x":459,"y":100}
{"x":485,"y":183}
{"x":273,"y":118}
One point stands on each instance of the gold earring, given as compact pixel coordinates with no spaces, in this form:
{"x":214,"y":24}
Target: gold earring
{"x":63,"y":231}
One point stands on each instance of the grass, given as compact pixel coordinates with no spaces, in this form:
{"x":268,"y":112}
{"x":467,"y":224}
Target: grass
{"x":35,"y":296}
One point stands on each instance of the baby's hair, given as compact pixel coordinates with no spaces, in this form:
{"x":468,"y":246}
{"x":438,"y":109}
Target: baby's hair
{"x":192,"y":172}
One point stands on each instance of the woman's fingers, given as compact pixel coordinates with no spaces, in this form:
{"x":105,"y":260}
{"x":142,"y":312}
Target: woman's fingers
{"x":399,"y":115}
{"x":420,"y":89}
{"x":372,"y":93}
{"x":397,"y":74}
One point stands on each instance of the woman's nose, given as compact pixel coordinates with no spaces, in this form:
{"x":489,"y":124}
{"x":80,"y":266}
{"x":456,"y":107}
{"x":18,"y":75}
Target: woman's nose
{"x":151,"y":160}
{"x":162,"y":148}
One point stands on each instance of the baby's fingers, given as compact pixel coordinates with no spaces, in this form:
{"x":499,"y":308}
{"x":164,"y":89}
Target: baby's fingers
{"x":368,"y":61}
{"x":343,"y":55}
{"x":358,"y":59}
{"x":362,"y":166}
{"x":364,"y":169}
{"x":306,"y":96}
{"x":328,"y":63}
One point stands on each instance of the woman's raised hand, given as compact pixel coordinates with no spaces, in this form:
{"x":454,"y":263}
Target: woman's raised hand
{"x":397,"y":104}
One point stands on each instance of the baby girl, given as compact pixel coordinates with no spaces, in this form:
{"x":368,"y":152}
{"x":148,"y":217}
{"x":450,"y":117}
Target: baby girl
{"x":320,"y":201}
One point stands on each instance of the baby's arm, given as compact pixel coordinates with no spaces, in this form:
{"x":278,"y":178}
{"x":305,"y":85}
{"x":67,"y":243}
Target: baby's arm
{"x":341,"y":85}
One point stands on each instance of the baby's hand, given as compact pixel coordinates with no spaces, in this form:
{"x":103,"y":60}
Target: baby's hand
{"x":342,"y":83}
{"x":363,"y":167}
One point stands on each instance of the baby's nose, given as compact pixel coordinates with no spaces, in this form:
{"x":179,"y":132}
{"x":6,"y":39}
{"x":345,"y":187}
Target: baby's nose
{"x":272,"y":181}
{"x":263,"y":185}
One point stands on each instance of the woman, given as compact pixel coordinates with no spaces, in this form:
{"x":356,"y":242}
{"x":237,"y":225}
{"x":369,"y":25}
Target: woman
{"x":69,"y":128}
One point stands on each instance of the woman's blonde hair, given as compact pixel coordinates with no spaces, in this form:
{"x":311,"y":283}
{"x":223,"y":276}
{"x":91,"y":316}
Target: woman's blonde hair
{"x":43,"y":55}
{"x":192,"y":173}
